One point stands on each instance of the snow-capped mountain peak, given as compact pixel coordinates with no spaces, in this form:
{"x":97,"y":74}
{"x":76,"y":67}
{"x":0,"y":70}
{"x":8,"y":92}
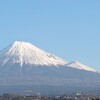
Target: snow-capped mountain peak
{"x":26,"y":53}
{"x":78,"y":65}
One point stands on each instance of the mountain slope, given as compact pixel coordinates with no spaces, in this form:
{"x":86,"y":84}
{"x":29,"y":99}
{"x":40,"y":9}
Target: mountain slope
{"x":78,"y":65}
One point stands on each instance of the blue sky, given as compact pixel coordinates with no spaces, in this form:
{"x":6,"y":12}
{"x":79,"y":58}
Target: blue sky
{"x":69,"y":29}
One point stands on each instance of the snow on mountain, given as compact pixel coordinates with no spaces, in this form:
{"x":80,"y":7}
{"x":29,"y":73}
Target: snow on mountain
{"x":26,"y":53}
{"x":78,"y":65}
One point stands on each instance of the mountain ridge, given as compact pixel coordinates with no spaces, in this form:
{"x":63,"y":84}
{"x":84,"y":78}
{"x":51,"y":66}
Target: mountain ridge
{"x":26,"y":53}
{"x":78,"y":65}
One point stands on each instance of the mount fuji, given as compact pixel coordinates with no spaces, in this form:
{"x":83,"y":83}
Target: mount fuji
{"x":26,"y":53}
{"x":24,"y":66}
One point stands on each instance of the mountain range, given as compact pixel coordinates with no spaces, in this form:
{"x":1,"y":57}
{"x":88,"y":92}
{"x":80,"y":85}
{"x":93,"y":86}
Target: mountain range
{"x":23,"y":67}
